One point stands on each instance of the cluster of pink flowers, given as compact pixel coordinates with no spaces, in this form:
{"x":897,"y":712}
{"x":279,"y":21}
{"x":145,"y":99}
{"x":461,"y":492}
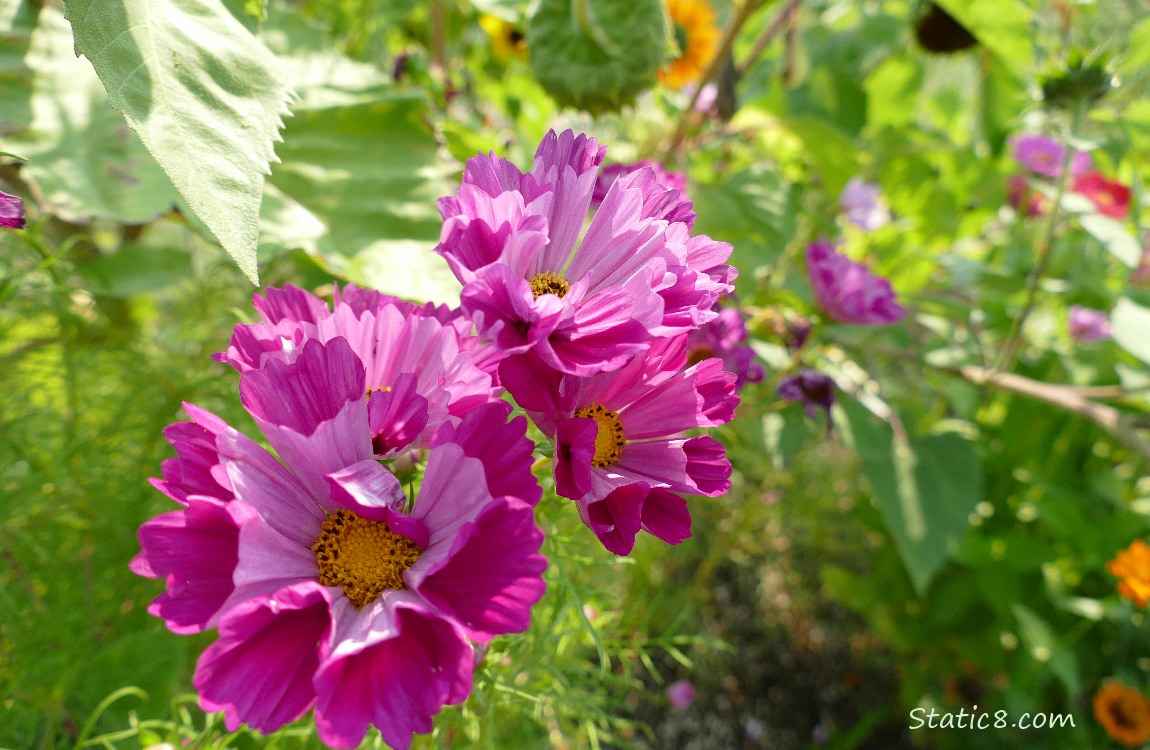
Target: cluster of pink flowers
{"x":333,"y":590}
{"x":1044,"y":156}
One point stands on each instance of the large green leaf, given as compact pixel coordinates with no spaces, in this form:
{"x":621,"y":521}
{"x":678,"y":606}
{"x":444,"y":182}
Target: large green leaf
{"x":83,"y":159}
{"x":1003,"y":26}
{"x":204,"y":97}
{"x":926,"y":488}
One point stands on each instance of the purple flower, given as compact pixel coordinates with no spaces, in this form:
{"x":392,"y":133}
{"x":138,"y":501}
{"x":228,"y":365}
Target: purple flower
{"x":1044,"y":155}
{"x":680,"y":694}
{"x":1087,"y":325}
{"x":622,"y":448}
{"x":11,"y":211}
{"x":863,"y":204}
{"x":318,"y":578}
{"x":847,"y":292}
{"x":812,"y":389}
{"x":682,"y":212}
{"x":583,"y":306}
{"x":423,"y":364}
{"x":724,"y":338}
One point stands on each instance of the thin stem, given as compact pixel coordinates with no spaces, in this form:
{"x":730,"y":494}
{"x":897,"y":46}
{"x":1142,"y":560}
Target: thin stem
{"x":1045,"y":252}
{"x":739,"y":18}
{"x":768,"y":35}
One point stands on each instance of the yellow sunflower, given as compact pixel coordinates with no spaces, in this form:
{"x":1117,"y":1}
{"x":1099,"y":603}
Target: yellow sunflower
{"x":1132,"y":565}
{"x":697,"y":38}
{"x":1123,"y":712}
{"x":507,"y":40}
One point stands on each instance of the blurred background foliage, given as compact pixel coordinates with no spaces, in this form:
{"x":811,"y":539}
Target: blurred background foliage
{"x":944,"y":545}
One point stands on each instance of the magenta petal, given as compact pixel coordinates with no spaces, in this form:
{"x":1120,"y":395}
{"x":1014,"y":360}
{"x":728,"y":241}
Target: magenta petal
{"x":11,"y":211}
{"x":304,"y":394}
{"x":707,"y":465}
{"x":196,"y":469}
{"x":365,"y":485}
{"x":536,"y":386}
{"x":493,"y":573}
{"x":504,"y":309}
{"x":195,"y":549}
{"x":602,"y":335}
{"x":260,"y":670}
{"x":396,"y":416}
{"x":574,"y":449}
{"x":665,"y":516}
{"x":617,"y":518}
{"x":290,"y":303}
{"x":398,"y":684}
{"x":502,"y":447}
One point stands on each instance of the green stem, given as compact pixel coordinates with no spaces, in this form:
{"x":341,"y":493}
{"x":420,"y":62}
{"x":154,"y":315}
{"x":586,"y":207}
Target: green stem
{"x":1045,"y":252}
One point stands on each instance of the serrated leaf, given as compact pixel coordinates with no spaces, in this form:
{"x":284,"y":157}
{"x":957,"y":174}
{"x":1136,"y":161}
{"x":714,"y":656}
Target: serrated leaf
{"x":83,"y":159}
{"x":203,"y":95}
{"x":1129,"y":323}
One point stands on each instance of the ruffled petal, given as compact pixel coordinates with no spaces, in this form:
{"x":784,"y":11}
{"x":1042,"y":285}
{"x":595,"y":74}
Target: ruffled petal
{"x":574,"y":449}
{"x":493,"y":574}
{"x":616,"y":518}
{"x":665,"y":516}
{"x":260,"y":670}
{"x":502,"y":447}
{"x":398,"y":684}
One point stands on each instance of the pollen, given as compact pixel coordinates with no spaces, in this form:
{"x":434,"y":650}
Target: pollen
{"x":546,"y":282}
{"x":609,"y":440}
{"x":362,"y":557}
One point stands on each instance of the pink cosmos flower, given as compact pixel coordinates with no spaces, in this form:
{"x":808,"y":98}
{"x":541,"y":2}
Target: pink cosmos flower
{"x":863,"y":204}
{"x":1109,"y":197}
{"x":680,"y":694}
{"x":682,"y":212}
{"x":583,"y":306}
{"x":848,"y":292}
{"x":621,"y":448}
{"x":1044,"y":155}
{"x":423,"y":364}
{"x":1087,"y":325}
{"x":11,"y":211}
{"x":725,"y":337}
{"x":327,"y":590}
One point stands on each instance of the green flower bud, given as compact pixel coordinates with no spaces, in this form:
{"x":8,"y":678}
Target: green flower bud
{"x":597,"y":54}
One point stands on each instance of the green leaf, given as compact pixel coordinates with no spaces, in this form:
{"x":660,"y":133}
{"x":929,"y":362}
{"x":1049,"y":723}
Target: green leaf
{"x":1113,"y":235}
{"x":83,"y":159}
{"x":1129,"y":323}
{"x":136,"y":269}
{"x":202,"y":94}
{"x":1003,"y":26}
{"x":1044,"y":647}
{"x":926,"y":489}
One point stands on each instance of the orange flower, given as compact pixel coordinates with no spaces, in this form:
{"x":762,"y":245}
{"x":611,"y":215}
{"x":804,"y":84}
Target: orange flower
{"x":1123,"y":712}
{"x":697,"y":37}
{"x":1132,"y":565}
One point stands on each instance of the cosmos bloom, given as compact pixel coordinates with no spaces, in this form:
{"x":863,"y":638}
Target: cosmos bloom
{"x":622,"y":452}
{"x":812,"y":389}
{"x":863,"y":204}
{"x":682,"y":211}
{"x":1132,"y":567}
{"x":423,"y":364}
{"x":725,"y":337}
{"x":1087,"y":325}
{"x":1123,"y":712}
{"x":848,"y":292}
{"x":587,"y":307}
{"x":327,"y":590}
{"x":11,"y":211}
{"x":1110,"y":198}
{"x":696,"y":36}
{"x":1044,"y":155}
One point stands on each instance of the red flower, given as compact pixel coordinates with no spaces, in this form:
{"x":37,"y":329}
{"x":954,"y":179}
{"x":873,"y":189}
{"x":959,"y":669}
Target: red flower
{"x":1109,"y":197}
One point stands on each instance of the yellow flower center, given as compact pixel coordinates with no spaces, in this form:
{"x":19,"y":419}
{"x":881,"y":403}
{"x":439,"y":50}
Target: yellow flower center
{"x":547,"y":282}
{"x":697,"y":354}
{"x":609,"y":440}
{"x":362,"y":557}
